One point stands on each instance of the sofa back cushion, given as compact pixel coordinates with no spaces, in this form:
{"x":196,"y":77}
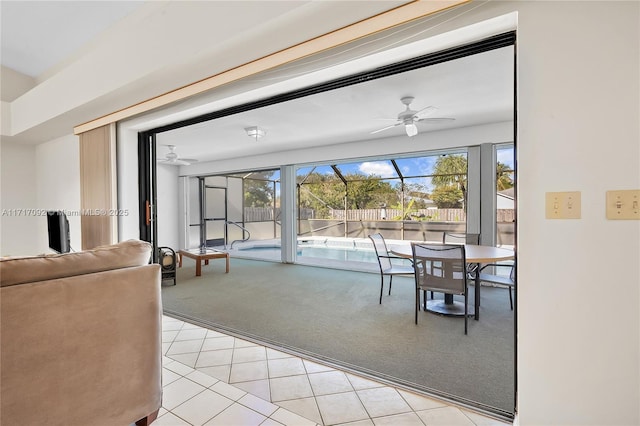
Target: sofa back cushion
{"x":19,"y":270}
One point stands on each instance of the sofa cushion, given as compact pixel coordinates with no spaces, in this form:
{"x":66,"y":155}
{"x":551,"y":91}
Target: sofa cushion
{"x":19,"y":270}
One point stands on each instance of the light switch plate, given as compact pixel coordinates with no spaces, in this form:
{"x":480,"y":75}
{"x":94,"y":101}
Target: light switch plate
{"x":563,"y":205}
{"x":623,"y":204}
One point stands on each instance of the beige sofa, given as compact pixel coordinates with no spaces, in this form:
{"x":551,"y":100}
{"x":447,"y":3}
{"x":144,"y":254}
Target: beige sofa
{"x":81,"y":338}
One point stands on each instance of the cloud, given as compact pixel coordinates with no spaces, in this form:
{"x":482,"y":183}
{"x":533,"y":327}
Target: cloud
{"x":378,"y":168}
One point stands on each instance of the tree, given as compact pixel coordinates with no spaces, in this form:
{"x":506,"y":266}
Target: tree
{"x":450,"y":182}
{"x":258,"y":190}
{"x":322,"y":192}
{"x":503,"y":177}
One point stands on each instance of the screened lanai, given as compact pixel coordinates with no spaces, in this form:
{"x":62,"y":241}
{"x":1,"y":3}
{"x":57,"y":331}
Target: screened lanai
{"x":339,"y":204}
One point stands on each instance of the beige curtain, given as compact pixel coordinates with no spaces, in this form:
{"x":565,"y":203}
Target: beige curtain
{"x":98,"y":187}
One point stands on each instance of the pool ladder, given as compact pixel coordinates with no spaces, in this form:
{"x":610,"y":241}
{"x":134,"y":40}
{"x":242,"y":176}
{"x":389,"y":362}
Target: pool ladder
{"x":245,"y":233}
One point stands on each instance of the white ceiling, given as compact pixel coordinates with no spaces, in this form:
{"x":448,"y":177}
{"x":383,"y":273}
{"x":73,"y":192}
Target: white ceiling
{"x":39,"y":37}
{"x":474,"y":90}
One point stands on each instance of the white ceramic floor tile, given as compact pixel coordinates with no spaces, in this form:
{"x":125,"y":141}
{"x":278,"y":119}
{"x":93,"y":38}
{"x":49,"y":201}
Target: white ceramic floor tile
{"x":185,"y":347}
{"x":186,"y":359}
{"x":329,"y":382}
{"x":213,"y":333}
{"x":406,"y":419}
{"x":180,"y":368}
{"x":341,"y":408}
{"x":288,"y":418}
{"x":220,"y":372}
{"x":271,"y":422}
{"x":418,"y":402}
{"x":201,"y":378}
{"x":446,"y":416}
{"x":188,"y":326}
{"x":178,"y":392}
{"x":367,"y":422}
{"x":172,"y":325}
{"x":481,"y":420}
{"x":240,"y":343}
{"x":227,"y":390}
{"x":274,"y":354}
{"x":289,"y":390}
{"x":191,"y":334}
{"x":237,"y":415}
{"x":248,"y":371}
{"x":249,"y":354}
{"x":383,"y":401}
{"x":258,"y":404}
{"x":259,"y":388}
{"x":169,"y":419}
{"x":169,"y":336}
{"x":314,"y":367}
{"x":281,"y":367}
{"x":305,"y":407}
{"x":213,"y":358}
{"x":359,"y":383}
{"x":212,"y":344}
{"x":169,"y":376}
{"x":290,"y":387}
{"x":202,"y":407}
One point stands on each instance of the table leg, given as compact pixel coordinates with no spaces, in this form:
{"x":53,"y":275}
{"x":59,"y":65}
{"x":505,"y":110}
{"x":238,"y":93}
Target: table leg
{"x":198,"y":267}
{"x":206,"y":261}
{"x":227,"y":257}
{"x":180,"y":261}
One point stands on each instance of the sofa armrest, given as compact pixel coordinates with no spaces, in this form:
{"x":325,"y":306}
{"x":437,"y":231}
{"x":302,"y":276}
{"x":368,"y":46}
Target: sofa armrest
{"x":84,"y":349}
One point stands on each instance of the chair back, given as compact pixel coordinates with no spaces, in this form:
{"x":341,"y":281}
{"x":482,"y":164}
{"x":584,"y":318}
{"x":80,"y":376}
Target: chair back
{"x":439,"y":267}
{"x":456,"y":238}
{"x":382,"y":252}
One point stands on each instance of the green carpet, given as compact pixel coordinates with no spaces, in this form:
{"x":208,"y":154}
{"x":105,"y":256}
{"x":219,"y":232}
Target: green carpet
{"x":335,"y":315}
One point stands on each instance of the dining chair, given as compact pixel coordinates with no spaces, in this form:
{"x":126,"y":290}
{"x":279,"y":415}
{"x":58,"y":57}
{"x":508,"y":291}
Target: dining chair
{"x":439,"y":268}
{"x":387,"y":267}
{"x":508,"y":281}
{"x":460,"y":238}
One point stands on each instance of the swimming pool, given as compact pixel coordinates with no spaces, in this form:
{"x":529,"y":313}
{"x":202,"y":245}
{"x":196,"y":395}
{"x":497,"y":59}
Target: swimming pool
{"x":348,"y":253}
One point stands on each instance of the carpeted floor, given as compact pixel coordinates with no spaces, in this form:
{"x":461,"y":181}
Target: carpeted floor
{"x":335,"y":315}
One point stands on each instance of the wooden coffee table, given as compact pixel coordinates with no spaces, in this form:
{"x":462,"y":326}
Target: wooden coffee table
{"x":199,"y":255}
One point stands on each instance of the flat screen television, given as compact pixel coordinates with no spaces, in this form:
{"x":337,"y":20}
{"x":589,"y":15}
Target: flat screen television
{"x":58,"y":225}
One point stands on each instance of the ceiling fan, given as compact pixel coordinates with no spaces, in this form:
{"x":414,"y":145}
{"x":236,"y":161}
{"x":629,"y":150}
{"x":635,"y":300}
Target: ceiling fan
{"x":409,"y":117}
{"x":173,"y":159}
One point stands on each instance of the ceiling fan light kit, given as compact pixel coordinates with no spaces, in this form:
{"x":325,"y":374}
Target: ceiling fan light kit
{"x":255,"y":132}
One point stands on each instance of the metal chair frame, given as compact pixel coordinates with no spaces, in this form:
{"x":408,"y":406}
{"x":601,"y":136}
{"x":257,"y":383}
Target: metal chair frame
{"x":438,"y":267}
{"x":385,"y":264}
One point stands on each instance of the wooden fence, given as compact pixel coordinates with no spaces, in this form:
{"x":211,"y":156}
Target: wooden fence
{"x":263,"y":214}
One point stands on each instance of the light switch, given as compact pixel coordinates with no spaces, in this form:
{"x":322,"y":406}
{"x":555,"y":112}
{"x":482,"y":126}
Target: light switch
{"x":623,"y":205}
{"x":563,"y":205}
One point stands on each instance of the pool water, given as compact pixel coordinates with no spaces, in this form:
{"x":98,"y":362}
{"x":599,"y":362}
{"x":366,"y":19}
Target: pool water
{"x":338,"y":253}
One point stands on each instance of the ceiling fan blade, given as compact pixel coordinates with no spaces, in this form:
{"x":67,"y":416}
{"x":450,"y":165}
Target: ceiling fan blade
{"x":436,"y":119}
{"x":386,"y":128}
{"x":424,"y":112}
{"x":188,"y":160}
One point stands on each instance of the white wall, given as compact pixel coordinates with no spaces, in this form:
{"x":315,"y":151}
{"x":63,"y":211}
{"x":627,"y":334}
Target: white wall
{"x":578,"y":112}
{"x":168,"y":206}
{"x":36,"y":179}
{"x":57,"y":166}
{"x":18,"y":229}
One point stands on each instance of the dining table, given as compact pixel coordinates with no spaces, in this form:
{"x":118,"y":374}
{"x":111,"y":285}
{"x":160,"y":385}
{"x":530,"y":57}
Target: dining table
{"x":474,"y":255}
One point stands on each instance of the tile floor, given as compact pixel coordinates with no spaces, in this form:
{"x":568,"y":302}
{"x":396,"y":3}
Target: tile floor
{"x":211,"y":378}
